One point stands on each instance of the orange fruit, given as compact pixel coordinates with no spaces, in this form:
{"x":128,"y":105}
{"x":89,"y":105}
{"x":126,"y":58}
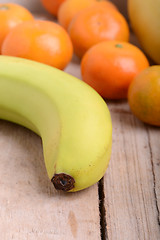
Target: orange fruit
{"x":95,"y":24}
{"x":11,"y":15}
{"x":110,"y":66}
{"x":39,"y":40}
{"x":52,"y":6}
{"x":144,"y":95}
{"x":70,"y":8}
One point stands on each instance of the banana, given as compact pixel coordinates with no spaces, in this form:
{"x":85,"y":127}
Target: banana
{"x":71,"y":118}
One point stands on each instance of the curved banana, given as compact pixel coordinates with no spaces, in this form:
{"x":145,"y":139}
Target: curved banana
{"x":71,"y":118}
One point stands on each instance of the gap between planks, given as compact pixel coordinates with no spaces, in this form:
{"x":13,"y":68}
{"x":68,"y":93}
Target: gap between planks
{"x":102,"y":210}
{"x":154,"y":177}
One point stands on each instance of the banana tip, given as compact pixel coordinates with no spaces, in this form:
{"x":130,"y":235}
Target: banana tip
{"x":63,"y":182}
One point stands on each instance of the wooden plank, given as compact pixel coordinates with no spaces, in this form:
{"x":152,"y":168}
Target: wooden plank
{"x":131,"y":207}
{"x":154,"y":147}
{"x":30,"y":208}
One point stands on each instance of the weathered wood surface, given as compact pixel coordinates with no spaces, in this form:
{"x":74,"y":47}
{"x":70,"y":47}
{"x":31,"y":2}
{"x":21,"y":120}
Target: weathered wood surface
{"x":132,"y":182}
{"x":129,"y":194}
{"x":30,"y":208}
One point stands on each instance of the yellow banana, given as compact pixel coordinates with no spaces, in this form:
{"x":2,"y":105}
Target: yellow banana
{"x":144,"y":17}
{"x":72,"y":119}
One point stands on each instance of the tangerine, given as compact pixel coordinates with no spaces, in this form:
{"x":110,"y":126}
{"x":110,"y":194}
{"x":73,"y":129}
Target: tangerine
{"x":10,"y":16}
{"x":39,"y":40}
{"x":52,"y":6}
{"x":110,"y":66}
{"x":95,"y":24}
{"x":144,"y":95}
{"x":70,"y":8}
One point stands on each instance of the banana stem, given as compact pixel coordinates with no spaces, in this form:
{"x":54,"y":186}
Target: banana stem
{"x":63,"y":182}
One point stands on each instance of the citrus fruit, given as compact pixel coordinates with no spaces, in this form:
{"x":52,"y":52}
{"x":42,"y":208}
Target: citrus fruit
{"x":11,"y":15}
{"x":144,"y":95}
{"x":97,"y":23}
{"x":52,"y":6}
{"x":39,"y":40}
{"x":70,"y":8}
{"x":110,"y":66}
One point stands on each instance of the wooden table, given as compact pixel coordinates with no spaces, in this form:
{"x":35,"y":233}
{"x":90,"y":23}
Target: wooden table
{"x":124,"y":205}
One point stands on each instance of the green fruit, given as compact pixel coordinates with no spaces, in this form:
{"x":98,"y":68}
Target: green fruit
{"x":71,"y":118}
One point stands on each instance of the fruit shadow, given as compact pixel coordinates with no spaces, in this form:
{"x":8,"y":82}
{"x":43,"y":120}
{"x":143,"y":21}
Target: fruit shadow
{"x":25,"y":150}
{"x":122,"y":115}
{"x":26,"y":172}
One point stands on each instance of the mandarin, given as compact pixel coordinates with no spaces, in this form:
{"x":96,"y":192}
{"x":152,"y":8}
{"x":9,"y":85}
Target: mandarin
{"x":39,"y":40}
{"x":52,"y":6}
{"x":144,"y":95}
{"x":95,"y":24}
{"x":10,"y":16}
{"x":70,"y":8}
{"x":110,"y":66}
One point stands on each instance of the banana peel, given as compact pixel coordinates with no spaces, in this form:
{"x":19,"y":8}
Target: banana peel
{"x":72,"y":119}
{"x":144,"y":16}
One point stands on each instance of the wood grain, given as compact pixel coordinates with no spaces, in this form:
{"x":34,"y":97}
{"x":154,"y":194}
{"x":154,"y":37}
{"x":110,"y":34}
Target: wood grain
{"x":30,"y":208}
{"x":132,"y":180}
{"x":154,"y":147}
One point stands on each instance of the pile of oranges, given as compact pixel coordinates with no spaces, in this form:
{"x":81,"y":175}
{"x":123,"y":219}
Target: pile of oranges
{"x":98,"y":34}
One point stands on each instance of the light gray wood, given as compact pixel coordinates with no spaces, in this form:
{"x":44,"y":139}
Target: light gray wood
{"x":30,"y":208}
{"x":131,"y":205}
{"x":154,"y":147}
